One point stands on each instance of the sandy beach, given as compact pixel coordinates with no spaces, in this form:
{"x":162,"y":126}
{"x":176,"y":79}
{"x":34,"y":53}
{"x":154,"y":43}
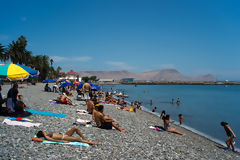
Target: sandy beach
{"x":140,"y":142}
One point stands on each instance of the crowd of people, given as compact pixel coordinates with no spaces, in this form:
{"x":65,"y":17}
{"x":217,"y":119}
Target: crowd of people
{"x":94,"y":101}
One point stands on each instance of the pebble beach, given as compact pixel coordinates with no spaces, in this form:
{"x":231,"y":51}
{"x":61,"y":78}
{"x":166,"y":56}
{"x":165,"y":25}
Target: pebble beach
{"x":140,"y":142}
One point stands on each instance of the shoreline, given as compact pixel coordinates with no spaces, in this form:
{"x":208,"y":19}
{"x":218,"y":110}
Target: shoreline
{"x":195,"y":131}
{"x":140,"y":142}
{"x":172,"y":83}
{"x":190,"y":129}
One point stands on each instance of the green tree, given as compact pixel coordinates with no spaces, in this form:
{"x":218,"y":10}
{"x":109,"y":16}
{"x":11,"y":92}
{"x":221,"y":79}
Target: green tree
{"x":85,"y":78}
{"x":3,"y":56}
{"x":93,"y":78}
{"x":16,"y":51}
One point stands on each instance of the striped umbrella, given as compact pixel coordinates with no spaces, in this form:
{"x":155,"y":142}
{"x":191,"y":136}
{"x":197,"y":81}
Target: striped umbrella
{"x":16,"y":71}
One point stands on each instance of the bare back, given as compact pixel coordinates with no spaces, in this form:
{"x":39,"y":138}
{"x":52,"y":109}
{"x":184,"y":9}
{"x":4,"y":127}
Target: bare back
{"x":86,"y":87}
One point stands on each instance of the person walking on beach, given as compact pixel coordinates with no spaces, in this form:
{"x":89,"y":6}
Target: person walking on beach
{"x":180,"y":118}
{"x":230,"y":134}
{"x":86,"y":90}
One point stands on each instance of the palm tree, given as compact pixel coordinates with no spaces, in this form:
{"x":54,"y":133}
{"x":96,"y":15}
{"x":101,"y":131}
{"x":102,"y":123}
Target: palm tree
{"x":51,"y":61}
{"x":17,"y":52}
{"x":3,"y":56}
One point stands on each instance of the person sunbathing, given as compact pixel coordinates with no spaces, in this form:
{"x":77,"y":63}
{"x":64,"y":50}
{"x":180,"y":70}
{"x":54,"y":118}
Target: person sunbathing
{"x":64,"y":99}
{"x":90,"y":106}
{"x":104,"y":121}
{"x":166,"y":126}
{"x":67,"y":137}
{"x":132,"y":109}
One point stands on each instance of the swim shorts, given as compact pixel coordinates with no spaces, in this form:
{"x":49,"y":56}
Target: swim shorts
{"x":106,"y":125}
{"x":64,"y":101}
{"x":86,"y":95}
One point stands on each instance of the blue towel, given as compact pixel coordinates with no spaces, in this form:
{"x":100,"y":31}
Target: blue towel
{"x":47,"y":113}
{"x":69,"y":143}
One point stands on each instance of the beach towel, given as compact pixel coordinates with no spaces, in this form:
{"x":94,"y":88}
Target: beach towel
{"x":52,"y":142}
{"x":157,"y":128}
{"x":19,"y":123}
{"x":86,"y":123}
{"x":47,"y":113}
{"x":82,"y":112}
{"x":83,"y":121}
{"x":20,"y":119}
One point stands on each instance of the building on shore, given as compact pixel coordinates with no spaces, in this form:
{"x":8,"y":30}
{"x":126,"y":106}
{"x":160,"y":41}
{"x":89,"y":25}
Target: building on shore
{"x":71,"y":75}
{"x":105,"y":80}
{"x":128,"y":80}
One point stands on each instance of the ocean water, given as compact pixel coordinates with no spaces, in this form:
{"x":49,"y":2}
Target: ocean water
{"x":203,"y":106}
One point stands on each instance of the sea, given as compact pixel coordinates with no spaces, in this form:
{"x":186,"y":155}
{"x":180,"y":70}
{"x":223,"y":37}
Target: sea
{"x":203,"y":107}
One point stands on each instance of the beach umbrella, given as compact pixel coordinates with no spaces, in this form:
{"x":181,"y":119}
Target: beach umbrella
{"x":34,"y":77}
{"x":80,"y":86}
{"x":77,"y":83}
{"x":66,"y":84}
{"x":49,"y":81}
{"x":16,"y":71}
{"x":95,"y":87}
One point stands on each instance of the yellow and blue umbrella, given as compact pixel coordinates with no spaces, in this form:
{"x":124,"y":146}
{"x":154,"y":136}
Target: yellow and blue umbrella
{"x":16,"y":71}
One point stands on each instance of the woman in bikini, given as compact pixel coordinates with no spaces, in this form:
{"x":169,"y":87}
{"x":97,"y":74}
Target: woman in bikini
{"x":67,"y":137}
{"x":166,"y":126}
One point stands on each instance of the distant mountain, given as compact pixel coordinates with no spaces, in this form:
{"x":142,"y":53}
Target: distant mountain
{"x":158,"y":75}
{"x":116,"y":75}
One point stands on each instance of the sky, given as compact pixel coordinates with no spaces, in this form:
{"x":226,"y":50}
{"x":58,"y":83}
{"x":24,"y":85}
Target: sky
{"x":195,"y":37}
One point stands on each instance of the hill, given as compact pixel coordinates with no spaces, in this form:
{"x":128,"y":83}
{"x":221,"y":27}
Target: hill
{"x":157,"y":75}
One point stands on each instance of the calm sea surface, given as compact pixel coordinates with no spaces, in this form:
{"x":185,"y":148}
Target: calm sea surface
{"x":203,"y":106}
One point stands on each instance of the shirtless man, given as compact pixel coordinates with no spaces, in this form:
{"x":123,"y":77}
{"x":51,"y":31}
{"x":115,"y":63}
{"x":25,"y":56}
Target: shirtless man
{"x":104,"y":121}
{"x":86,"y":89}
{"x":64,"y":99}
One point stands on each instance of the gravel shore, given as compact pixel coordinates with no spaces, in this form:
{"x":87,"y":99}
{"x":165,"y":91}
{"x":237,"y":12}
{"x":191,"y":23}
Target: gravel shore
{"x":139,"y":142}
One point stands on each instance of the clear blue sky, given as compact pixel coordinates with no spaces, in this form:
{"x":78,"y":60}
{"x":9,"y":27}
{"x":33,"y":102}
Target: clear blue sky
{"x":193,"y":36}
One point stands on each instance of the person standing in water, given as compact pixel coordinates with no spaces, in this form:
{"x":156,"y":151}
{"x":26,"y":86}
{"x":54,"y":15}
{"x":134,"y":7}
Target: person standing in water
{"x":180,"y":118}
{"x":154,"y":109}
{"x":151,"y":102}
{"x":230,"y":134}
{"x":172,"y":101}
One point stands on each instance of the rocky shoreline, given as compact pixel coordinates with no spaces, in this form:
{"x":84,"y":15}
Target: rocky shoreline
{"x":140,"y":142}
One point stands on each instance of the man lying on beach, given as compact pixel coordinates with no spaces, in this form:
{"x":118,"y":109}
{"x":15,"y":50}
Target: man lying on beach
{"x":104,"y":121}
{"x":230,"y":134}
{"x":166,"y":126}
{"x":64,"y":99}
{"x":67,"y":137}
